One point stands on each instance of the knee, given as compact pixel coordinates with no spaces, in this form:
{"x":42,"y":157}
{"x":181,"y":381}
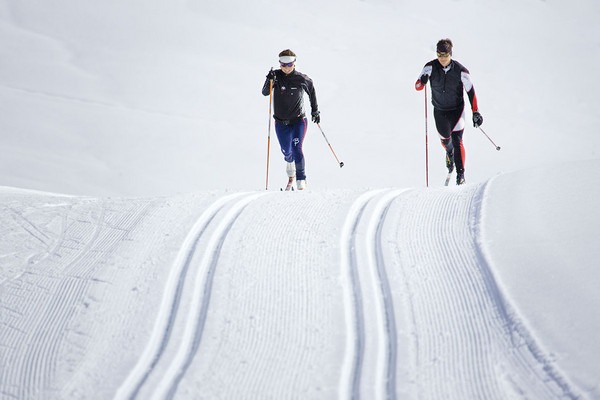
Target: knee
{"x":297,"y":145}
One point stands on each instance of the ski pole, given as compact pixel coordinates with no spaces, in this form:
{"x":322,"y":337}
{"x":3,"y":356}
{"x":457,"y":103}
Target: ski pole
{"x":269,"y":136}
{"x":486,"y":135}
{"x":426,"y":144}
{"x":340,"y":163}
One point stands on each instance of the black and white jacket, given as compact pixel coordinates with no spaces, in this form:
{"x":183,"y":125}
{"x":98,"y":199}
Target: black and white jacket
{"x":447,"y":85}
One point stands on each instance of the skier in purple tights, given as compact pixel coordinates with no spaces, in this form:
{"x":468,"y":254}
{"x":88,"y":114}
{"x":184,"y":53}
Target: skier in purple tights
{"x":289,"y":87}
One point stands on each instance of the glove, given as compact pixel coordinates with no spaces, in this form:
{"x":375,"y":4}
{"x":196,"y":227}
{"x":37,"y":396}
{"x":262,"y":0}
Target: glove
{"x":477,"y":119}
{"x":271,"y":75}
{"x":316,"y":117}
{"x":421,"y":82}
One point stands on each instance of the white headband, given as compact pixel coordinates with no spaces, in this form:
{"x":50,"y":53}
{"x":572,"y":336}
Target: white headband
{"x":287,"y":59}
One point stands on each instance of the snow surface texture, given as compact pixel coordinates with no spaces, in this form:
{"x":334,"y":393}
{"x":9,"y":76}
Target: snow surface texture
{"x":166,"y":270}
{"x":389,"y":293}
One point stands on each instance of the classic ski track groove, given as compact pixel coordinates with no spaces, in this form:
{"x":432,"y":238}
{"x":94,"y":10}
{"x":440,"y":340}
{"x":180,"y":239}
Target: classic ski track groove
{"x":272,"y":283}
{"x":382,"y":348}
{"x":170,"y":304}
{"x":196,"y":318}
{"x":466,"y":342}
{"x":387,"y":335}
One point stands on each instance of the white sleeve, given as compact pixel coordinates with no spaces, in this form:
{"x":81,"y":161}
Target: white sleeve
{"x":426,"y":71}
{"x":466,"y":81}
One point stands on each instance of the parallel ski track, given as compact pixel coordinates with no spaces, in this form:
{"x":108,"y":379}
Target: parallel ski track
{"x":466,"y":342}
{"x":382,"y":348}
{"x":387,"y":351}
{"x":199,"y":307}
{"x":170,"y":304}
{"x":276,"y":322}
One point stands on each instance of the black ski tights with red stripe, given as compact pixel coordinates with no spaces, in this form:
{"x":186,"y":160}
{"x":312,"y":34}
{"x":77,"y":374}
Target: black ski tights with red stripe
{"x":451,"y":125}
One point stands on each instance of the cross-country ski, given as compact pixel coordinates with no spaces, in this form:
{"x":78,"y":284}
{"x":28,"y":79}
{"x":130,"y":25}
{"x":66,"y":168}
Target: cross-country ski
{"x":290,"y":185}
{"x":448,"y":177}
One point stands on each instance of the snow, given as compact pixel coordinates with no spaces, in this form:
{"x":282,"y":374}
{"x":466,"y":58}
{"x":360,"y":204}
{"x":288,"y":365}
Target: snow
{"x":141,"y":257}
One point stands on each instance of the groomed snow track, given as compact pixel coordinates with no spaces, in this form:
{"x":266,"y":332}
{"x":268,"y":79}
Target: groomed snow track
{"x":466,"y":341}
{"x":378,"y":294}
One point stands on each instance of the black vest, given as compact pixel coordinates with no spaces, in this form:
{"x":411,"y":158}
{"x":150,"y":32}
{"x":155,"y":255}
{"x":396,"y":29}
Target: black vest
{"x":447,"y":87}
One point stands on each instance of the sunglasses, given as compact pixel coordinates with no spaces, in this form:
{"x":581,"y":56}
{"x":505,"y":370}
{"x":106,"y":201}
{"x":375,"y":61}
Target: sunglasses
{"x":286,"y":64}
{"x":443,"y":54}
